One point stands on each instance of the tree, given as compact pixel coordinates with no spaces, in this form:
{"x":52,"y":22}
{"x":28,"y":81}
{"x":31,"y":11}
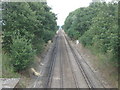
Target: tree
{"x":34,"y":22}
{"x":97,"y":25}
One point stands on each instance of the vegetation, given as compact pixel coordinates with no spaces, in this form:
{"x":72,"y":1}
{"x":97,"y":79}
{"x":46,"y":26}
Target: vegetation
{"x":21,"y":53}
{"x":96,"y":26}
{"x":7,"y":68}
{"x":27,"y":26}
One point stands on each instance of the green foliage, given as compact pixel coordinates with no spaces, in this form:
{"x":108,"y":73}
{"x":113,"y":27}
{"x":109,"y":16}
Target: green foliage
{"x":17,"y":16}
{"x":48,"y":35}
{"x":81,"y":19}
{"x":86,"y":39}
{"x":104,"y":29}
{"x":35,"y":24}
{"x":73,"y":34}
{"x":22,"y":53}
{"x":38,"y":45}
{"x":7,"y":67}
{"x":98,"y":27}
{"x":46,"y":25}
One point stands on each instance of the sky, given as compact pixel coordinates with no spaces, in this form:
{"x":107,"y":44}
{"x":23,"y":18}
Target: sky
{"x":63,"y":7}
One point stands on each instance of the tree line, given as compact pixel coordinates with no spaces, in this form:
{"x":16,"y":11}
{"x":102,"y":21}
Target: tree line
{"x":27,"y":26}
{"x":96,"y":26}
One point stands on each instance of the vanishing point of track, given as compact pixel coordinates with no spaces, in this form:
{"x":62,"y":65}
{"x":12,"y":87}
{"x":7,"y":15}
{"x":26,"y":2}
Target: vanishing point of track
{"x":64,"y":67}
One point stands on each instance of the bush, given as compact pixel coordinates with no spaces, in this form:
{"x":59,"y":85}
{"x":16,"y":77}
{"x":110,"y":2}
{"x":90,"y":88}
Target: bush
{"x":97,"y":25}
{"x":22,"y":53}
{"x":34,"y":20}
{"x":86,"y":39}
{"x":36,"y":25}
{"x":73,"y":34}
{"x":48,"y":35}
{"x":7,"y":68}
{"x":38,"y":45}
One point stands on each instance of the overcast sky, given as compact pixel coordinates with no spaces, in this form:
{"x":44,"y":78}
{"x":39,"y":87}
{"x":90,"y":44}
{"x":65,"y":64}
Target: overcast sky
{"x":63,"y":7}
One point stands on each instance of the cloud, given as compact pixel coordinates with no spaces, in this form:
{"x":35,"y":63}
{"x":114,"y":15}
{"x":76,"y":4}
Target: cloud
{"x":64,"y":7}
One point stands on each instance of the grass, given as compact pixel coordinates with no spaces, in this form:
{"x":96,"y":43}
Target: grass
{"x":107,"y":64}
{"x":105,"y":58}
{"x":7,"y":69}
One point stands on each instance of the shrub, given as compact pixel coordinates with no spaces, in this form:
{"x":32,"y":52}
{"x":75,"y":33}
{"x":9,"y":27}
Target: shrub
{"x":38,"y":45}
{"x":73,"y":34}
{"x":86,"y":39}
{"x":48,"y":35}
{"x":22,"y":53}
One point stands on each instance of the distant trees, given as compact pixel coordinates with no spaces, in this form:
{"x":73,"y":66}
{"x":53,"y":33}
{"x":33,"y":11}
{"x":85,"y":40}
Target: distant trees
{"x":28,"y":25}
{"x":97,"y":26}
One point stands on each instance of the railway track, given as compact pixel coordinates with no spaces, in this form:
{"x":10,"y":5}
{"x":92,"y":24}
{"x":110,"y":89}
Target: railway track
{"x":91,"y":81}
{"x":77,"y":61}
{"x":61,"y":70}
{"x":66,"y":68}
{"x":74,"y":76}
{"x":43,"y":81}
{"x":52,"y":64}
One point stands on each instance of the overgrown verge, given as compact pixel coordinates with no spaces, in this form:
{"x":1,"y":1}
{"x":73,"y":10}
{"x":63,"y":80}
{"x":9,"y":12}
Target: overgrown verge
{"x":96,"y":26}
{"x":26,"y":27}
